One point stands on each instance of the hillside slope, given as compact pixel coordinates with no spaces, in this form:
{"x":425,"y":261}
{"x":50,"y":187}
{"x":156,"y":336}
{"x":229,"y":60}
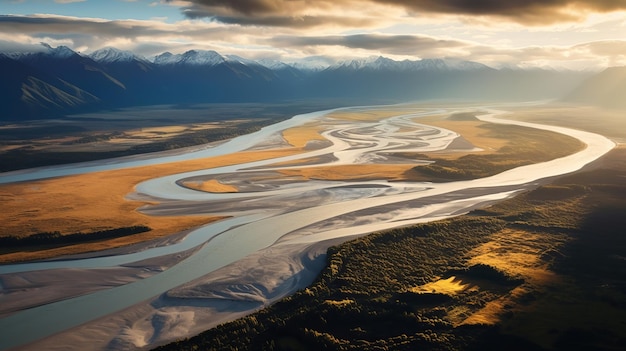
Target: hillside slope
{"x":605,"y":89}
{"x":59,"y":81}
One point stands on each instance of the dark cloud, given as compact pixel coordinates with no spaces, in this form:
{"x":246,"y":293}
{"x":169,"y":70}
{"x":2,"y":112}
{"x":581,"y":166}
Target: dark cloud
{"x":531,"y":12}
{"x":278,"y":21}
{"x":278,"y":12}
{"x":66,"y":27}
{"x":91,"y":34}
{"x":504,"y":7}
{"x":252,"y":7}
{"x":59,"y":25}
{"x":391,"y":44}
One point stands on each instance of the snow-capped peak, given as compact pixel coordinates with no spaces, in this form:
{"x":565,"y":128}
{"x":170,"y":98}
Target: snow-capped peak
{"x":449,"y":65}
{"x":242,"y":60}
{"x":273,"y":64}
{"x":312,"y":63}
{"x":383,"y":63}
{"x":372,"y":62}
{"x":164,"y":58}
{"x":59,"y":51}
{"x":191,"y":57}
{"x":110,"y":54}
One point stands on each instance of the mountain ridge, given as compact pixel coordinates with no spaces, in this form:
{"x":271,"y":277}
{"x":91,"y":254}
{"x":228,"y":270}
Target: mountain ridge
{"x":111,"y":54}
{"x":70,"y":82}
{"x":605,"y":89}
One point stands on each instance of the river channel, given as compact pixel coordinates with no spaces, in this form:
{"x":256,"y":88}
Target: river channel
{"x":271,"y":210}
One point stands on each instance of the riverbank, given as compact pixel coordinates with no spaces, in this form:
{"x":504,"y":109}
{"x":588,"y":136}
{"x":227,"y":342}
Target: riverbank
{"x":274,"y":224}
{"x":541,"y":271}
{"x":93,"y":202}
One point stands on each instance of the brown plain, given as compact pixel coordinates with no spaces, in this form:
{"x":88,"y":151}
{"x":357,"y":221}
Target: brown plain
{"x":300,"y":136}
{"x":91,"y":202}
{"x":353,"y":172}
{"x":97,"y":201}
{"x":210,"y":186}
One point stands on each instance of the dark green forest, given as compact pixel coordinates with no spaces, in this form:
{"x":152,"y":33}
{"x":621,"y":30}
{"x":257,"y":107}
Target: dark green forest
{"x":54,"y":239}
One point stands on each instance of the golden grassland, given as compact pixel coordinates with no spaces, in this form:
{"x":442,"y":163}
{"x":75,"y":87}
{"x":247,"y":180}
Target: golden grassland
{"x":353,"y":172}
{"x":370,"y":115}
{"x":299,"y":162}
{"x":449,"y":286}
{"x":96,"y":201}
{"x":517,"y":253}
{"x":210,"y":186}
{"x":472,"y":131}
{"x":301,"y":135}
{"x":157,"y":132}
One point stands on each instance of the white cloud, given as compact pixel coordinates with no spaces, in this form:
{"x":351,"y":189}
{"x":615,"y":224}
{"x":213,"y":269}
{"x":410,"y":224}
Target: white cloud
{"x":440,"y":38}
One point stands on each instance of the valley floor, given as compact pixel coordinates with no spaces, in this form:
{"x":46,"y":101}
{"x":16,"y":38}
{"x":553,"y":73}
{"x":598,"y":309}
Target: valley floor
{"x":358,"y":166}
{"x":542,"y":271}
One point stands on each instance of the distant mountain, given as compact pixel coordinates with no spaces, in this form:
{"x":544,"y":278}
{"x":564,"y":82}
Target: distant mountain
{"x":381,"y":63}
{"x":441,"y":79}
{"x":192,"y":57}
{"x":310,"y":64}
{"x":29,"y":92}
{"x":78,"y":70}
{"x":58,"y":81}
{"x":113,"y":55}
{"x":605,"y":89}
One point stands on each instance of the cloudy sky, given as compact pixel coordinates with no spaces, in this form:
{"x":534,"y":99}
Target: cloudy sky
{"x":576,"y":34}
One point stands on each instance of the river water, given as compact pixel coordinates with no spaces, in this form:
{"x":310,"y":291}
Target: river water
{"x":270,"y":210}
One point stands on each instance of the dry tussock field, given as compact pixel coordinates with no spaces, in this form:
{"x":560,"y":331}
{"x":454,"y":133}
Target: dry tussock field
{"x":370,"y":115}
{"x":470,"y":130}
{"x":210,"y":186}
{"x":300,"y":136}
{"x":354,"y":172}
{"x":97,"y":201}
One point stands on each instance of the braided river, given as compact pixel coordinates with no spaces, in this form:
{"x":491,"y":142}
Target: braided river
{"x":274,"y":238}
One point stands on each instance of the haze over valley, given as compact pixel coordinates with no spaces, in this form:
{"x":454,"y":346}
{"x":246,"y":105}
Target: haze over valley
{"x":340,"y":175}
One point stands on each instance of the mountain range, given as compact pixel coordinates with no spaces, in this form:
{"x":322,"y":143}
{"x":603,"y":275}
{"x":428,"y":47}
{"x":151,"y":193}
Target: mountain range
{"x":605,"y":89}
{"x":59,"y":81}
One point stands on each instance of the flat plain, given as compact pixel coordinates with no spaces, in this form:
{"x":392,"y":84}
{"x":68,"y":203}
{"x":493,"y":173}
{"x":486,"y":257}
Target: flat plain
{"x":93,"y":202}
{"x":475,"y":286}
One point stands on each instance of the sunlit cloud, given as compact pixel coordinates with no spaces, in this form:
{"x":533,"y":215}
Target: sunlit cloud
{"x":311,"y":13}
{"x":593,"y":43}
{"x":95,"y":33}
{"x":296,"y":14}
{"x":391,"y":44}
